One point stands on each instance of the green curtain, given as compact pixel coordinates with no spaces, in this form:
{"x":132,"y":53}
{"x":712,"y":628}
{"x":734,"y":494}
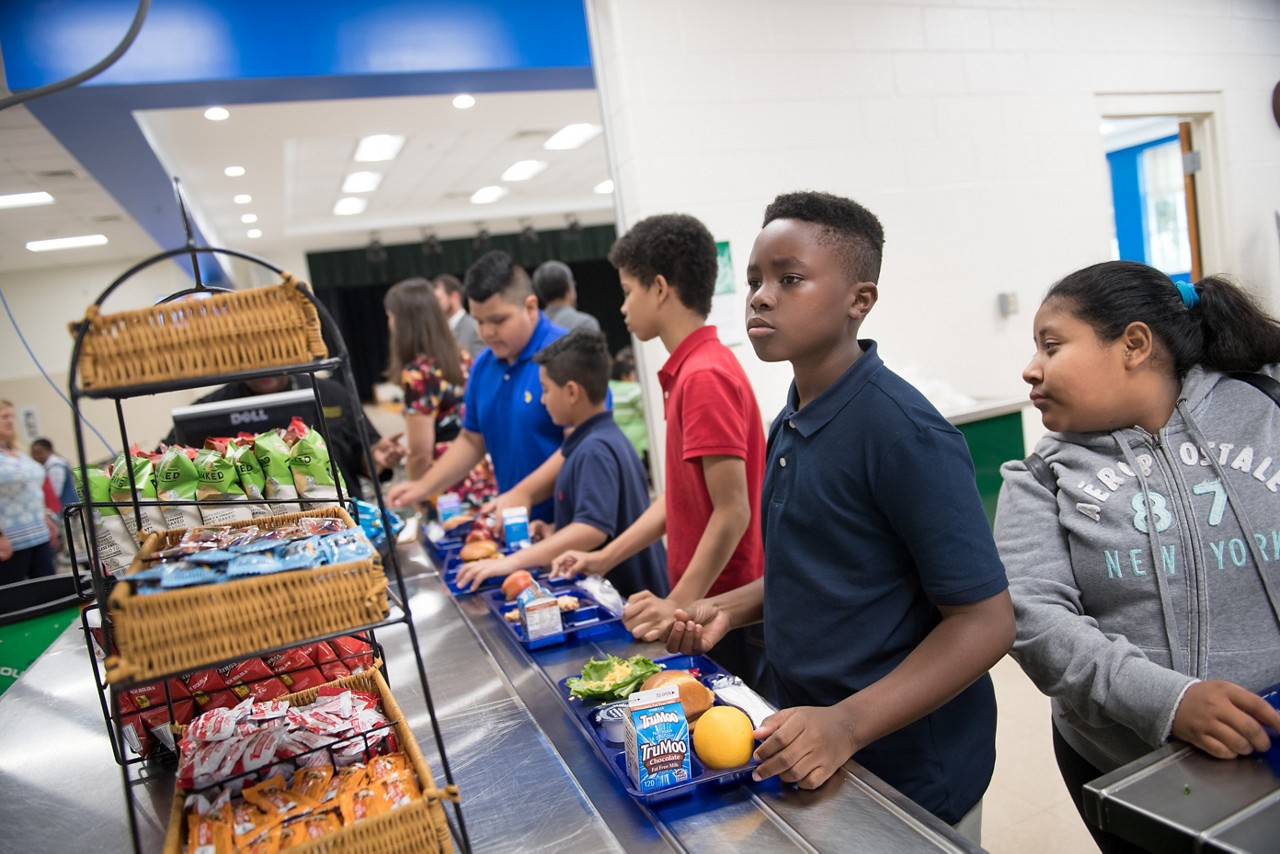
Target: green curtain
{"x":351,"y":268}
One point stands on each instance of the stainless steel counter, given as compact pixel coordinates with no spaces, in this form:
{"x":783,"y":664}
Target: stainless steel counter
{"x":1180,"y":799}
{"x":529,"y":777}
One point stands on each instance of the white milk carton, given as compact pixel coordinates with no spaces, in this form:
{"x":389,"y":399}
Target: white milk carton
{"x":657,"y":739}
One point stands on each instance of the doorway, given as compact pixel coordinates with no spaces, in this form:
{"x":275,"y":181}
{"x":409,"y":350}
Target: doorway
{"x":1153,"y":165}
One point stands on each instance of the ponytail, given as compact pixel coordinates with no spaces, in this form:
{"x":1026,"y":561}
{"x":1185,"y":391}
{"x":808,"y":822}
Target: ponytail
{"x":1215,"y":324}
{"x":1238,"y":334}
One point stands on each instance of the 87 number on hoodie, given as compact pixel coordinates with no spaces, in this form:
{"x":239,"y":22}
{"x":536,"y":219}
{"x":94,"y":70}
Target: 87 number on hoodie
{"x":1156,"y":507}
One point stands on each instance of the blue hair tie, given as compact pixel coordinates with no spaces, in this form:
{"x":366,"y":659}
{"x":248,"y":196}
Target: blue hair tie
{"x":1190,"y":296}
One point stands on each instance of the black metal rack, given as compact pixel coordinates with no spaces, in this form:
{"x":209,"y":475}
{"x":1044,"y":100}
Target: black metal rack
{"x":136,"y":771}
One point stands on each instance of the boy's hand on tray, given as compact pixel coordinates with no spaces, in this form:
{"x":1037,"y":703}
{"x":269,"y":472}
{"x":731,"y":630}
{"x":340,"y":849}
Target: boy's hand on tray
{"x":574,"y":563}
{"x":648,"y":617}
{"x":474,"y":573}
{"x":696,"y":629}
{"x":1224,"y":719}
{"x":804,"y":745}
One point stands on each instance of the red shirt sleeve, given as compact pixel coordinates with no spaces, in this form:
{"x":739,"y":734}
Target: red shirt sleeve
{"x":711,"y":416}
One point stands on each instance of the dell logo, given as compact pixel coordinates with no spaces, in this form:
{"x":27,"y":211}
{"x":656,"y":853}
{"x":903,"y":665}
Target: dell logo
{"x":249,"y":416}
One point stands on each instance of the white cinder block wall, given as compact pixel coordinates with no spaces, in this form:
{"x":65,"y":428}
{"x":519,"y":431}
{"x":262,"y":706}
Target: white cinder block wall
{"x":971,"y":127}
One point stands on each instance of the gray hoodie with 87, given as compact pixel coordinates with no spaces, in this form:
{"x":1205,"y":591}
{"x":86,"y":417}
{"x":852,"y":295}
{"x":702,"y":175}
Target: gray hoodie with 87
{"x":1156,"y":563}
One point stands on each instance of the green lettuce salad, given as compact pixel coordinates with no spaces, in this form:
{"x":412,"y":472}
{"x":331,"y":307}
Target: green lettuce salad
{"x":611,"y":678}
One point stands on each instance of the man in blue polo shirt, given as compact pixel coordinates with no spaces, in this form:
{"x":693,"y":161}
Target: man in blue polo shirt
{"x":504,"y":415}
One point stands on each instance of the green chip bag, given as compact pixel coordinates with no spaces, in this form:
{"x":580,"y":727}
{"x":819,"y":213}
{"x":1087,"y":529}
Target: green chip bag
{"x":222,"y":499}
{"x":250,"y":474}
{"x":116,"y":546}
{"x":145,"y":482}
{"x":176,"y":480}
{"x":272,"y":454}
{"x":312,"y":474}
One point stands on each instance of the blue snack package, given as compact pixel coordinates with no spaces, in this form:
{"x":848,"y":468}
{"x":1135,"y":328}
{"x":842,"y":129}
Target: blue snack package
{"x":254,"y":564}
{"x":259,"y":545}
{"x":190,"y":577}
{"x":309,"y":546}
{"x":348,"y":546}
{"x":300,"y":560}
{"x":214,"y":557}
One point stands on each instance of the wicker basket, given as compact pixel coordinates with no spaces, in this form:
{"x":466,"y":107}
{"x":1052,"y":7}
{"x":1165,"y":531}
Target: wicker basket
{"x":267,"y":327}
{"x":176,"y":631}
{"x":417,"y":827}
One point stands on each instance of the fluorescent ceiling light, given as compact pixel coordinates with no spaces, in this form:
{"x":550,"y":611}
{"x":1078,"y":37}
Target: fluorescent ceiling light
{"x":485,"y":195}
{"x":25,"y":200}
{"x":67,"y":243}
{"x":249,"y":219}
{"x":350,"y":205}
{"x":464,"y":102}
{"x":362,"y":182}
{"x":379,"y":147}
{"x":233,"y":171}
{"x":253,"y":233}
{"x":604,"y":188}
{"x":572,"y":136}
{"x":242,"y":199}
{"x":523,"y":170}
{"x":217,"y":114}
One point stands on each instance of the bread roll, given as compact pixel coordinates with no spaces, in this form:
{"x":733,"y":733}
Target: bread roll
{"x":458,"y":521}
{"x":695,"y":697}
{"x":478,"y":550}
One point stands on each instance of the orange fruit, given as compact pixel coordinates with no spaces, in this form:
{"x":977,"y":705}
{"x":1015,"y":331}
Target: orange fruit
{"x":722,"y":738}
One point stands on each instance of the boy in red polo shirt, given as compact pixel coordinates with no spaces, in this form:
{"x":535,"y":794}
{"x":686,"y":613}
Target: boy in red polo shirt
{"x":715,"y":448}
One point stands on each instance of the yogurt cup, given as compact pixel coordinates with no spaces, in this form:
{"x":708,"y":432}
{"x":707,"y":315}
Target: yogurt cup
{"x":609,"y":721}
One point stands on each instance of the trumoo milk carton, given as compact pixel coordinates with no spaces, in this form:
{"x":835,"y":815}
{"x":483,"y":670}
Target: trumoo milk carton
{"x":657,"y":739}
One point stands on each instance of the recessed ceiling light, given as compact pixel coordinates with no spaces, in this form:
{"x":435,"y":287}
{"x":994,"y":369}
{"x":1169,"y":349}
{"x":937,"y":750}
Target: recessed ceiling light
{"x":233,"y":171}
{"x":485,"y":195}
{"x":25,"y":200}
{"x":254,"y":233}
{"x":604,"y":188}
{"x":350,"y":205}
{"x":523,"y":170}
{"x":242,"y":199}
{"x":362,"y":182}
{"x":464,"y":102}
{"x":217,"y":114}
{"x":249,"y":219}
{"x":67,"y":243}
{"x":572,"y":136}
{"x":379,"y":147}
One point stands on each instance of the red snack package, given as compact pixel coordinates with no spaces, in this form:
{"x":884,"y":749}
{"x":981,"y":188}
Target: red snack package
{"x":327,"y":660}
{"x":356,"y":654}
{"x":296,"y":430}
{"x":269,"y":689}
{"x":218,"y":700}
{"x":202,"y":683}
{"x":289,"y":661}
{"x":302,"y":680}
{"x":152,"y":694}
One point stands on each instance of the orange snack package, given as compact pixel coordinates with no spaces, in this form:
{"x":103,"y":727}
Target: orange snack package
{"x":381,"y":766}
{"x":275,"y":799}
{"x":401,"y":788}
{"x":313,"y":782}
{"x":266,"y":843}
{"x":366,"y":802}
{"x":249,"y":821}
{"x":210,"y":833}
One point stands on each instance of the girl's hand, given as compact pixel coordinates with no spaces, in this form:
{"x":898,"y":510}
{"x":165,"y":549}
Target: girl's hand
{"x":6,"y":548}
{"x":1224,"y":720}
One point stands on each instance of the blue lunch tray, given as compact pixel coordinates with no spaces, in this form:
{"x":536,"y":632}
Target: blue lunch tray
{"x":591,"y":618}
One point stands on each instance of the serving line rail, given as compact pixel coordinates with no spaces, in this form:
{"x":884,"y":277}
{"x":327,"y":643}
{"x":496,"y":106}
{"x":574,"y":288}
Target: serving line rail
{"x":529,"y":777}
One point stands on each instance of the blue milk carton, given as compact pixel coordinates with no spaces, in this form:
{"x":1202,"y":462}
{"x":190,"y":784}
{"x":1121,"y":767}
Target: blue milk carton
{"x":515,"y":527}
{"x":657,"y":739}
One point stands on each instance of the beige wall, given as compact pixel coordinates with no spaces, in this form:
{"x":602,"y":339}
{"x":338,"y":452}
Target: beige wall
{"x":971,"y":128}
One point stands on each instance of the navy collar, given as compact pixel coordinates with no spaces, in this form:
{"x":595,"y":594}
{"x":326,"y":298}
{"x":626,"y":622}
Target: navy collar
{"x":825,"y":406}
{"x":580,"y":433}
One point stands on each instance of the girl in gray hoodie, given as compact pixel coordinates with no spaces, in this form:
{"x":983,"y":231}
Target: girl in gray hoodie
{"x":1144,"y":562}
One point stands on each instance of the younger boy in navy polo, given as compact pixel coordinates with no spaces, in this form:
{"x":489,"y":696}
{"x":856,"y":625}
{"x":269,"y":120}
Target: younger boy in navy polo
{"x":885,"y":602}
{"x":601,"y":488}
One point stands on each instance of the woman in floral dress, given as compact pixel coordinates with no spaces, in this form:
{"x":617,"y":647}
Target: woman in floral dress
{"x":432,"y":373}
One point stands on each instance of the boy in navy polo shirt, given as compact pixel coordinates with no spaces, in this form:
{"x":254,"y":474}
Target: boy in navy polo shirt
{"x":602,"y":487}
{"x":715,"y":439}
{"x":504,"y":414}
{"x":884,"y":601}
